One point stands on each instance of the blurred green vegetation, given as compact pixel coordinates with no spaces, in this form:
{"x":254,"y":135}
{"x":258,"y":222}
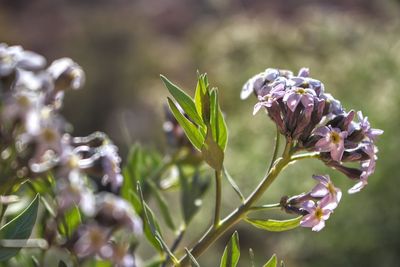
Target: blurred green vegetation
{"x":352,"y":46}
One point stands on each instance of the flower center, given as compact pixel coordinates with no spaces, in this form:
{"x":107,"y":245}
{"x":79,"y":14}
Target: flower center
{"x":300,"y":91}
{"x":335,"y":137}
{"x":49,"y":135}
{"x":318,"y":213}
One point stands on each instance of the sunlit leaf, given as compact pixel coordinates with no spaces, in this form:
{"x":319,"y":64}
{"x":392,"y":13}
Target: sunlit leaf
{"x":185,"y":101}
{"x":217,"y":120}
{"x":202,"y":98}
{"x":272,"y":262}
{"x":71,"y":220}
{"x":19,"y":228}
{"x":231,"y":255}
{"x":275,"y":225}
{"x":190,"y":129}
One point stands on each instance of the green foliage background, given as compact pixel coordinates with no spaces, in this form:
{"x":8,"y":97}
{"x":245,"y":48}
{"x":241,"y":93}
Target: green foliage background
{"x":352,"y":46}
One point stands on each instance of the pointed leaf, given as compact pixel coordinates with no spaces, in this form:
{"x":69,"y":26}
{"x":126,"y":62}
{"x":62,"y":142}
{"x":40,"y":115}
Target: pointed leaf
{"x":185,"y":101}
{"x":231,"y":255}
{"x":272,"y":262}
{"x":202,"y":98}
{"x":131,"y":172}
{"x":72,"y":219}
{"x":233,"y":184}
{"x":218,"y":125}
{"x":19,"y":228}
{"x":275,"y":225}
{"x":148,"y":222}
{"x":162,"y":204}
{"x":190,"y":129}
{"x":193,"y":260}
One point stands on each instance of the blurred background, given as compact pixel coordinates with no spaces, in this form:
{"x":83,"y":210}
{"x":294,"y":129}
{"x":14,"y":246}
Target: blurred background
{"x":351,"y":45}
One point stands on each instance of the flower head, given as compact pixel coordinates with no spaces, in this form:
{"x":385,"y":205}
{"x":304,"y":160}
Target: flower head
{"x":318,"y":213}
{"x":326,"y":190}
{"x":332,"y":140}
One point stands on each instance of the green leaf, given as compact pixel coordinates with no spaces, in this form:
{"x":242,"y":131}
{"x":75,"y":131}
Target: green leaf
{"x":218,"y":125}
{"x":131,"y":172}
{"x":202,"y":98}
{"x":275,"y":225}
{"x":185,"y":101}
{"x":190,"y":129}
{"x":162,"y":204}
{"x":147,"y":216}
{"x":212,"y":153}
{"x":72,"y":219}
{"x":19,"y":228}
{"x":155,"y":229}
{"x":192,"y":191}
{"x":62,"y":264}
{"x":231,"y":255}
{"x":272,"y":262}
{"x":282,"y":263}
{"x":193,"y":260}
{"x":233,"y":184}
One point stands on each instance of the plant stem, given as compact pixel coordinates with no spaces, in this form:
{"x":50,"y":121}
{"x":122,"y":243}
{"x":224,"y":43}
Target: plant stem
{"x":305,"y":156}
{"x":276,"y":148}
{"x":218,"y":196}
{"x":214,"y":233}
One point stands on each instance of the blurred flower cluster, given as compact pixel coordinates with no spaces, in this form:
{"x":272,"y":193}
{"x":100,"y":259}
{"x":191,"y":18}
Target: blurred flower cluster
{"x":35,"y":144}
{"x":315,"y":121}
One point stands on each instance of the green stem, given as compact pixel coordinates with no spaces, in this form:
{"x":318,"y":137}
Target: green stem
{"x":218,"y":196}
{"x":276,"y":148}
{"x":305,"y":156}
{"x":214,"y":233}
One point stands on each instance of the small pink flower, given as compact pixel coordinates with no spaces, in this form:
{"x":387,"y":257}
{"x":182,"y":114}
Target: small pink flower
{"x":332,"y":141}
{"x":326,"y":190}
{"x":318,"y":214}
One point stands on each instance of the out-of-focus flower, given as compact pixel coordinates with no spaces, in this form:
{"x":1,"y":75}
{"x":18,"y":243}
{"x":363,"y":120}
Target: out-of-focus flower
{"x":113,"y":211}
{"x":92,"y":239}
{"x":66,"y":74}
{"x":118,"y":254}
{"x":317,"y":214}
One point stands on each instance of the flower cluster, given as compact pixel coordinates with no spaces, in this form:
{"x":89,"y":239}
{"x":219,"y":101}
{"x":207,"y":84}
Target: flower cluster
{"x":34,"y":141}
{"x":314,"y":120}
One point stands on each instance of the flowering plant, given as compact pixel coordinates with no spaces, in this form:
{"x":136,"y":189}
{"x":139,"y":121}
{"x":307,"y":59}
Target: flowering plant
{"x":93,"y":213}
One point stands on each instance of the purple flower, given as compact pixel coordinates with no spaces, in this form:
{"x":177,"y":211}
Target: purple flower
{"x":366,"y":127}
{"x":92,"y":240}
{"x":298,"y":95}
{"x":327,"y":191}
{"x":259,"y":84}
{"x":332,"y":141}
{"x":277,"y":92}
{"x":317,"y":215}
{"x":118,"y":254}
{"x":367,"y":168}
